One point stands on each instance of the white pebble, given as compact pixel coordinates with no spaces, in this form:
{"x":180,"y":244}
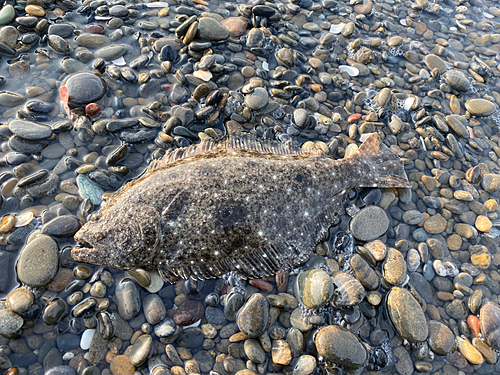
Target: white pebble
{"x":67,"y":356}
{"x":86,"y":339}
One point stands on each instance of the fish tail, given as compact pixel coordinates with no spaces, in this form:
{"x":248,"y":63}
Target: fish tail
{"x":379,"y":166}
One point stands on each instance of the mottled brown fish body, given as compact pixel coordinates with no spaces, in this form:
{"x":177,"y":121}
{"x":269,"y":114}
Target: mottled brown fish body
{"x":237,"y":205}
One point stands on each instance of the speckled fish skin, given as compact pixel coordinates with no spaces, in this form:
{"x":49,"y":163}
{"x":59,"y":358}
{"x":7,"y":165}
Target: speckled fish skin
{"x":236,"y":205}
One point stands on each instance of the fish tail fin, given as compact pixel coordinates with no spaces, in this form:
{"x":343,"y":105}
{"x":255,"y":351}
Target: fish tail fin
{"x":380,"y":166}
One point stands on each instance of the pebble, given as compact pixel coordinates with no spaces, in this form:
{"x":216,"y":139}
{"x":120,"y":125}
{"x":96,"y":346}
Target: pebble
{"x":407,"y":315}
{"x":338,"y":345}
{"x":20,"y":300}
{"x":441,"y":338}
{"x":10,"y":322}
{"x":38,"y":261}
{"x":489,"y":317}
{"x":480,"y":107}
{"x":121,"y":365}
{"x":29,"y":130}
{"x":140,"y":350}
{"x":369,"y":224}
{"x":127,"y":299}
{"x":212,"y":30}
{"x":188,"y":313}
{"x":253,"y":317}
{"x":314,"y":288}
{"x":258,"y":99}
{"x":154,"y":309}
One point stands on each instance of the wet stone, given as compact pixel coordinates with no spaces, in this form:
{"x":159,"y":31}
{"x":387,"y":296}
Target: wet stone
{"x":110,"y":53}
{"x":84,"y":88}
{"x":212,"y":30}
{"x":38,"y":261}
{"x":61,"y":226}
{"x":314,"y":288}
{"x":154,"y":309}
{"x":188,"y":313}
{"x":435,"y":224}
{"x":489,"y":316}
{"x":9,"y":322}
{"x":30,"y":130}
{"x":395,"y":267}
{"x":370,"y":223}
{"x":141,"y":349}
{"x":92,"y":40}
{"x":20,"y":300}
{"x":254,"y":351}
{"x":339,"y":346}
{"x":407,"y":315}
{"x":127,"y":299}
{"x":253,"y":317}
{"x":258,"y":99}
{"x":480,"y":107}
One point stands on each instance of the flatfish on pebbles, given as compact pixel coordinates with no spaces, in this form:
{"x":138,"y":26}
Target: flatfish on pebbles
{"x":239,"y":204}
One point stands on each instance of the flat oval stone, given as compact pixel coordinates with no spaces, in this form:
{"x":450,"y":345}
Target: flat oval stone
{"x":92,"y":40}
{"x":480,"y":107}
{"x":30,"y":130}
{"x":110,"y":53}
{"x":127,"y":299}
{"x":38,"y":261}
{"x":212,"y":30}
{"x":407,"y":316}
{"x":340,"y":346}
{"x":11,"y":99}
{"x":253,"y":317}
{"x":314,"y":288}
{"x":435,"y":62}
{"x":394,"y":267}
{"x":370,"y":223}
{"x":141,"y":349}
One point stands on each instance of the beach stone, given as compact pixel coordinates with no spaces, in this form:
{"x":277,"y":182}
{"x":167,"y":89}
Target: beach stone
{"x":154,"y":309}
{"x":111,"y":53}
{"x":7,"y":14}
{"x":10,"y":322}
{"x":480,"y":107}
{"x":395,"y":267}
{"x":92,"y":40}
{"x":9,"y":36}
{"x":377,"y":249}
{"x":407,"y":315}
{"x":435,"y":224}
{"x":20,"y":300}
{"x":11,"y":99}
{"x":314,"y":288}
{"x":61,"y":370}
{"x":370,"y":223}
{"x":413,"y":217}
{"x":189,"y":313}
{"x":491,"y":182}
{"x":84,"y":88}
{"x":61,"y":226}
{"x":441,"y":338}
{"x":212,"y":30}
{"x":340,"y":346}
{"x":30,"y":130}
{"x":127,"y":299}
{"x":140,"y":350}
{"x":281,"y":353}
{"x":306,"y":364}
{"x":258,"y":99}
{"x":435,"y":62}
{"x":253,"y":317}
{"x":480,"y":257}
{"x":121,"y":365}
{"x":489,"y":317}
{"x":254,"y":351}
{"x":483,"y":224}
{"x":38,"y":261}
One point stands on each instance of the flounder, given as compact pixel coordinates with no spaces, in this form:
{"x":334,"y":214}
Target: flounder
{"x":239,"y":204}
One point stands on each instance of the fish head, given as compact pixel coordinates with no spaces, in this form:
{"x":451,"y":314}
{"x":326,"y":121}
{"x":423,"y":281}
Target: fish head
{"x":120,"y":237}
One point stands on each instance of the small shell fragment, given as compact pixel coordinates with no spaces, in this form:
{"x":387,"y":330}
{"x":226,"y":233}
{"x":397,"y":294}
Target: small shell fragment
{"x":351,"y":70}
{"x":336,"y":29}
{"x":204,"y":75}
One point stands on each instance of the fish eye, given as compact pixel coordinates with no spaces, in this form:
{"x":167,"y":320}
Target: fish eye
{"x":99,"y":236}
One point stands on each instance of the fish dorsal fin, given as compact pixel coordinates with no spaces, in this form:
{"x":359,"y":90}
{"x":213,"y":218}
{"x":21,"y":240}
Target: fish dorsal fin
{"x":233,"y":141}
